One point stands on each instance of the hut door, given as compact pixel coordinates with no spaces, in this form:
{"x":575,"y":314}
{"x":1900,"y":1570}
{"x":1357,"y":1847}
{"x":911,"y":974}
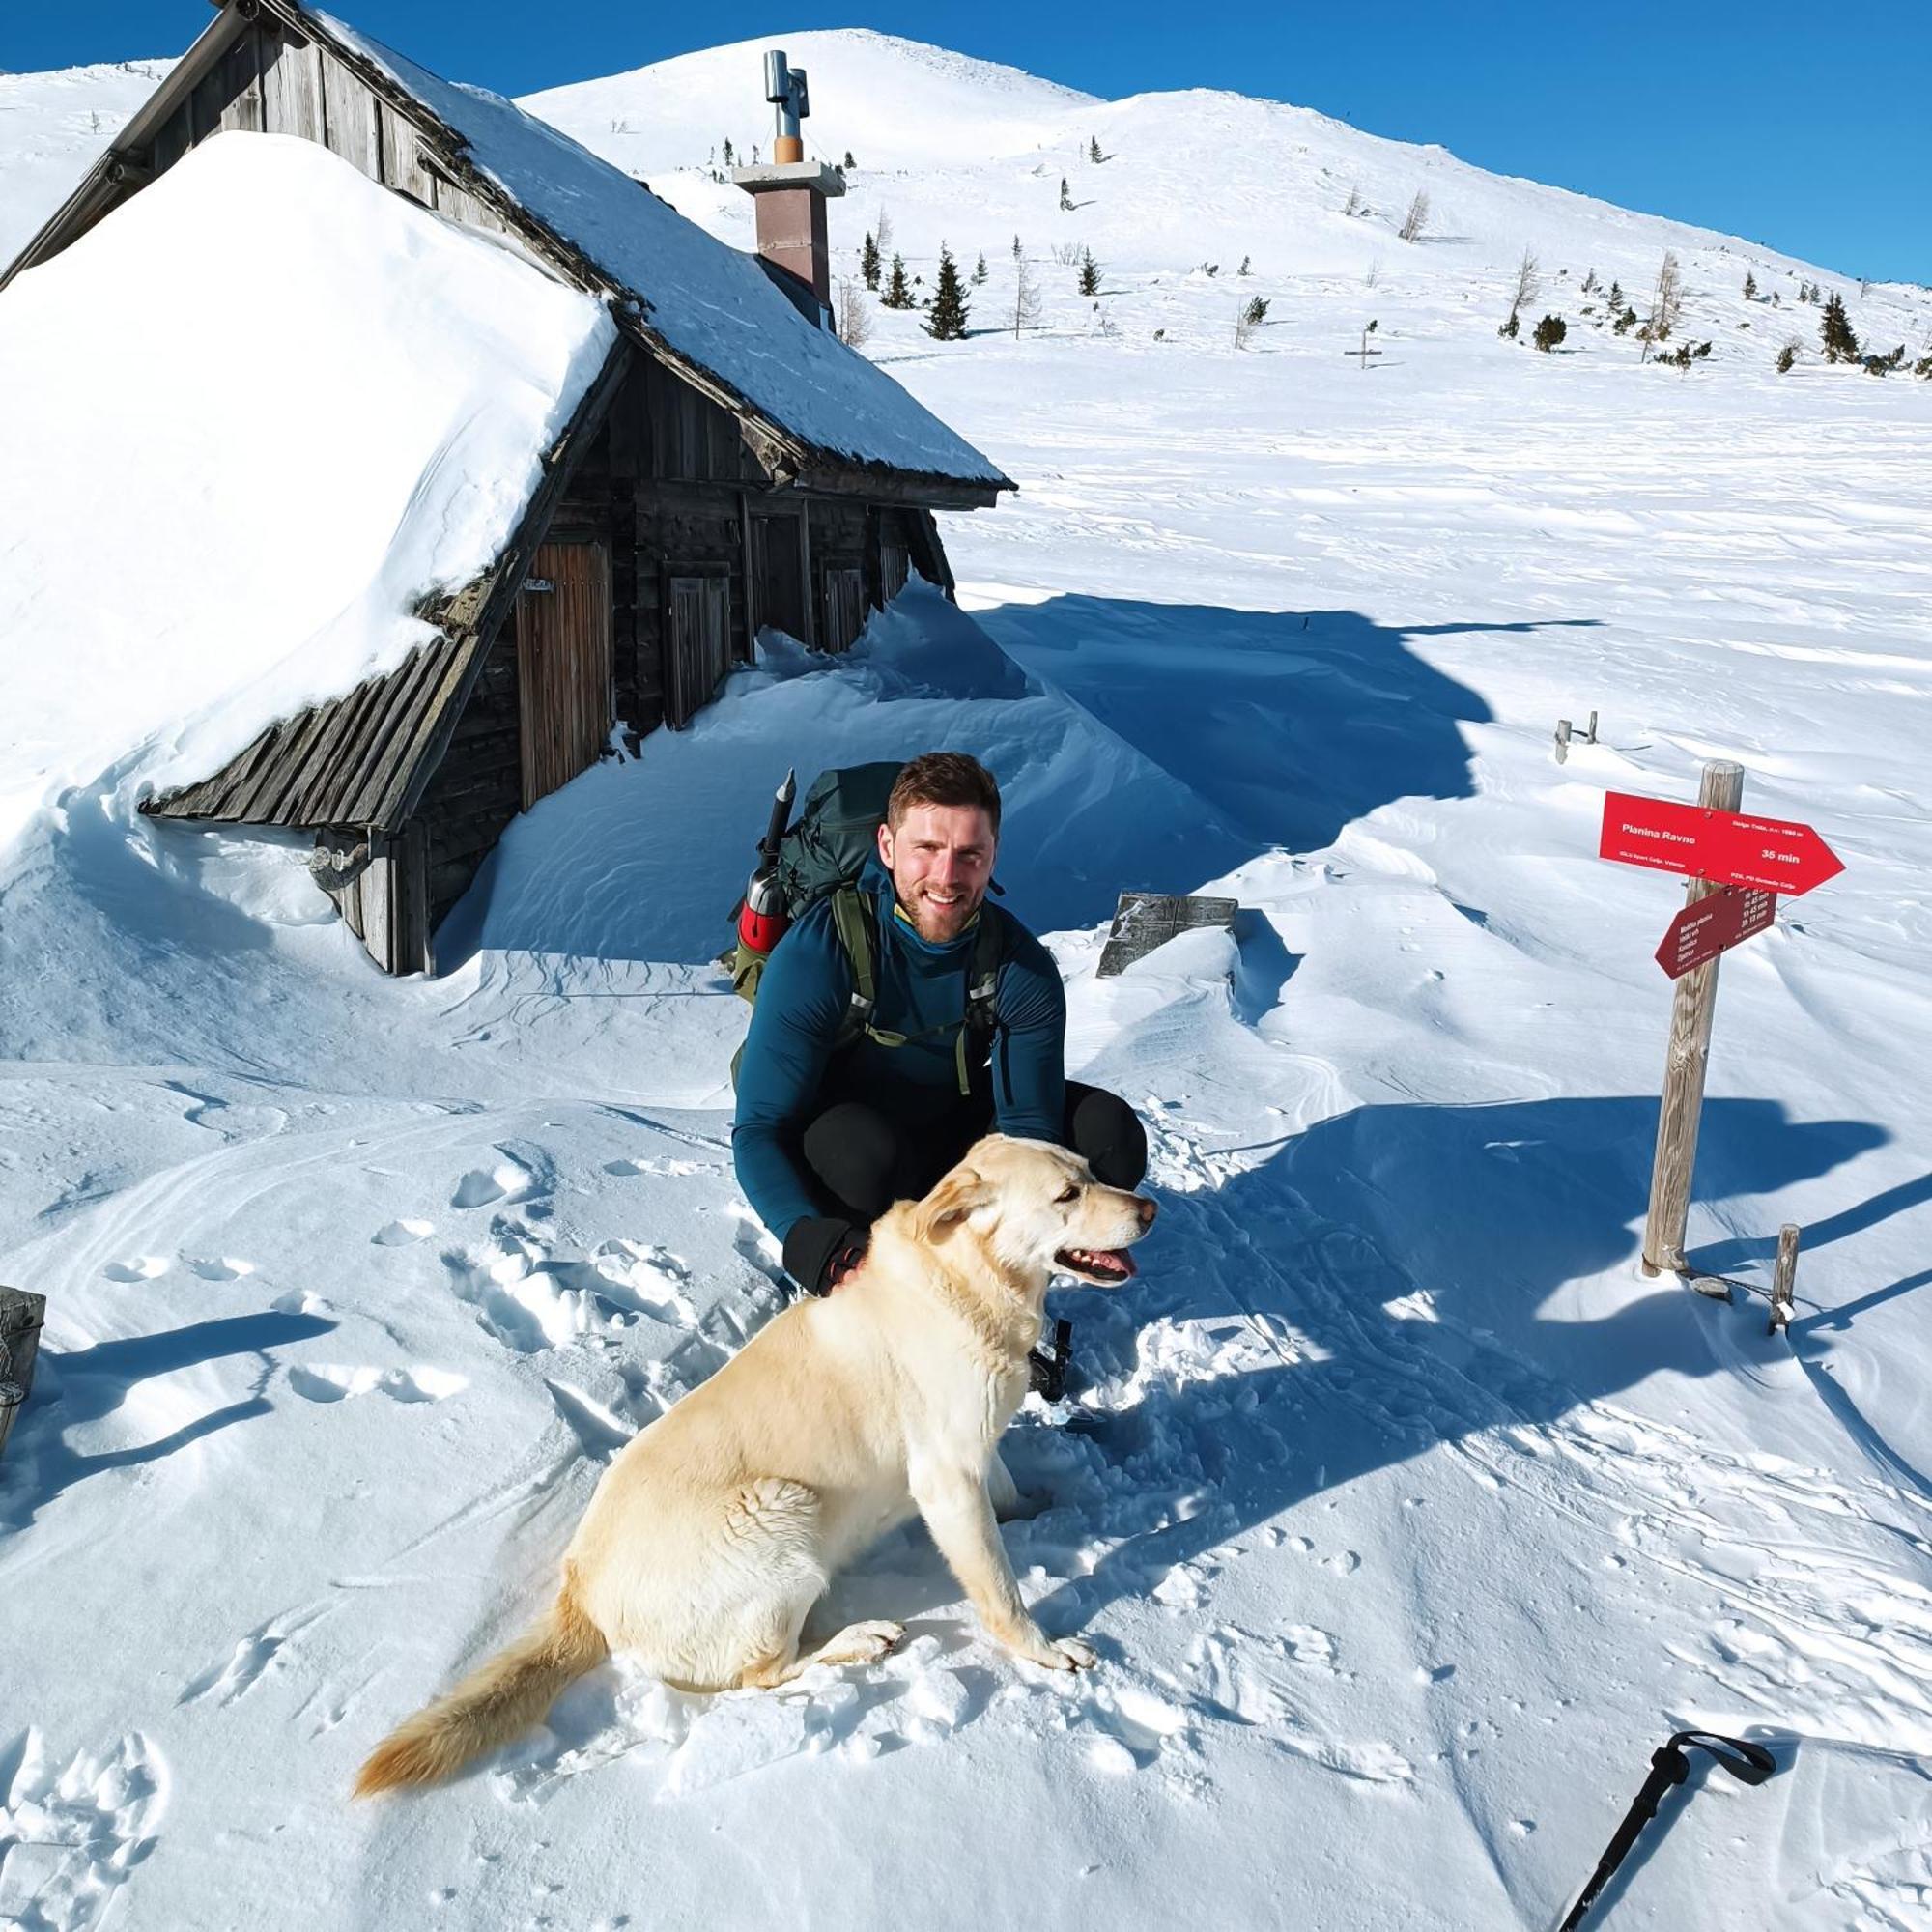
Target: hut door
{"x":563,"y":663}
{"x":778,"y":547}
{"x":699,"y":636}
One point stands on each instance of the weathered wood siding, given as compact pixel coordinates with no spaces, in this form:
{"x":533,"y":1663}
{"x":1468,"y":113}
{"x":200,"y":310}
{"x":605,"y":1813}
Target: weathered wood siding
{"x":379,"y":885}
{"x":478,"y":788}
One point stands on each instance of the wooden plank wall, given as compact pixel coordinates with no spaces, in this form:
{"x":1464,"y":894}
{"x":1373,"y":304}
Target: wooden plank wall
{"x":478,"y":788}
{"x":379,"y":887}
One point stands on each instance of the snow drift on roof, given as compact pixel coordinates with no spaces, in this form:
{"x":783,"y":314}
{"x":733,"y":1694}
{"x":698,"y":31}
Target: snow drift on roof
{"x":251,"y":419}
{"x":710,"y":302}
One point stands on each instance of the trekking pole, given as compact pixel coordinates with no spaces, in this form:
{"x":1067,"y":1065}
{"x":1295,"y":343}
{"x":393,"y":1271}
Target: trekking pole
{"x":1750,"y":1763}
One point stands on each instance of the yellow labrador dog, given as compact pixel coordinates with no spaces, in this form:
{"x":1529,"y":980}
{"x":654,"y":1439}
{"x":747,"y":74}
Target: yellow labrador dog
{"x":718,"y":1528}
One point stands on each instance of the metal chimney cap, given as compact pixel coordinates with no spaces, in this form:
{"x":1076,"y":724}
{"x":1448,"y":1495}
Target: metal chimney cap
{"x":778,"y":83}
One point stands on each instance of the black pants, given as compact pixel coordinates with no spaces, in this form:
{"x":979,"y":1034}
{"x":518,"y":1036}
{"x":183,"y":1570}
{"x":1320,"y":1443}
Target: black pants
{"x":864,"y":1162}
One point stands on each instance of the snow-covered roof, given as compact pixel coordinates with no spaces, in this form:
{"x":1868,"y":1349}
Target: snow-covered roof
{"x":252,"y":422}
{"x":710,"y":303}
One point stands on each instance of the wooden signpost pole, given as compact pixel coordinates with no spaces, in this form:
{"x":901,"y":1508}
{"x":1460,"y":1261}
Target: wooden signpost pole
{"x":1697,"y":995}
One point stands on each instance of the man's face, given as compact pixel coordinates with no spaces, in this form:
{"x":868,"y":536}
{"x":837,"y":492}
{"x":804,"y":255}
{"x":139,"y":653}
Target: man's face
{"x":941,"y":859}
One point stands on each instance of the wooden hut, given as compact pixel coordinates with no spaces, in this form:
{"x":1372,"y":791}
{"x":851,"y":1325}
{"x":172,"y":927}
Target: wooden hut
{"x":733,"y":466}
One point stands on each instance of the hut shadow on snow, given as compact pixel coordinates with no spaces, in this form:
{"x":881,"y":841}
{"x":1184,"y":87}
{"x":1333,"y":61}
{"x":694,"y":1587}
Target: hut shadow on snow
{"x":1247,"y":730}
{"x":1409,"y":1265}
{"x":1290,"y":724}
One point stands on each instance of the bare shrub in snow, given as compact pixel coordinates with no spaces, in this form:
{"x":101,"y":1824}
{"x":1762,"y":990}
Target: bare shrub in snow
{"x":1528,"y":281}
{"x":1415,"y":223}
{"x":1025,"y":296}
{"x":1666,"y":302}
{"x":854,"y":319}
{"x":1354,"y":205}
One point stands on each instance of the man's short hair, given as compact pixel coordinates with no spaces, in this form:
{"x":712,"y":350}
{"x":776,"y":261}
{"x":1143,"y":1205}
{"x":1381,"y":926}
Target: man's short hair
{"x":943,"y":778}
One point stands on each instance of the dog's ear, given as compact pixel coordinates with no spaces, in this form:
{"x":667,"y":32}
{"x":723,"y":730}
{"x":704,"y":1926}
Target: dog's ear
{"x":950,"y":1202}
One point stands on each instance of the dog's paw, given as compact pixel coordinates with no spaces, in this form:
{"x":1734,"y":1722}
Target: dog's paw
{"x":861,"y":1643}
{"x":1056,"y":1653}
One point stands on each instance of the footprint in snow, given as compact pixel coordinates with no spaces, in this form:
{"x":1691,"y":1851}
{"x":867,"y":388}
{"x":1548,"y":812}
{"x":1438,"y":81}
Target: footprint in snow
{"x":402,"y":1234}
{"x":139,"y":1268}
{"x":507,"y":1181}
{"x":253,"y":1657}
{"x":314,"y":1383}
{"x":74,"y":1834}
{"x":218,"y":1267}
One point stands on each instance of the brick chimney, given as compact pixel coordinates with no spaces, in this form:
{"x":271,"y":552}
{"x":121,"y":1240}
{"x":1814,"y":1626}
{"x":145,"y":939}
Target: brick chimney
{"x":791,"y":193}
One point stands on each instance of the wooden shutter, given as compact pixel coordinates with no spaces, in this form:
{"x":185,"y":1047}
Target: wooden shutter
{"x":895,"y":566}
{"x":564,"y":653}
{"x":697,"y":646}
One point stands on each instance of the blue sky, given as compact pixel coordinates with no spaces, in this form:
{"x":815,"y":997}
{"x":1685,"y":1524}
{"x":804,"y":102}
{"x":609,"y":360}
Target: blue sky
{"x":1792,"y":125}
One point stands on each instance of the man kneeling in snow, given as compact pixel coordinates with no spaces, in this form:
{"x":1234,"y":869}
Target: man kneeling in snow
{"x":967,"y":1036}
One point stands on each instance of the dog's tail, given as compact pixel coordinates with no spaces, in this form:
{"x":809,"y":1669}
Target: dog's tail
{"x":493,"y":1704}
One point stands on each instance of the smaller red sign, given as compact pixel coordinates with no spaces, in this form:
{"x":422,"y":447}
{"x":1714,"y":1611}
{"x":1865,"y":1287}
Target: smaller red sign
{"x":1714,"y":926}
{"x":1703,"y":842}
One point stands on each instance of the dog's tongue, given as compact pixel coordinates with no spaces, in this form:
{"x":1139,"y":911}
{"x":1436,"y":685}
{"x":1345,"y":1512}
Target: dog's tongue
{"x":1103,"y":1260}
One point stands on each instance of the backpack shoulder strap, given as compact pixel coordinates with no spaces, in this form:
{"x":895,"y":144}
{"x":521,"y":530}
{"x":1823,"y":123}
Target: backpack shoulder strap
{"x":983,"y":983}
{"x":852,"y":920}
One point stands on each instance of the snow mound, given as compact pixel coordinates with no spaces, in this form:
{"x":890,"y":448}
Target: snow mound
{"x":878,"y":94}
{"x":321,"y":402}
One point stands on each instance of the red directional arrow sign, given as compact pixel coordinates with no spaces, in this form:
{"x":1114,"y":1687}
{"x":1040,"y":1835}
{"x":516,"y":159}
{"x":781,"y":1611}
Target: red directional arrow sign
{"x":1731,"y":847}
{"x":1714,"y":926}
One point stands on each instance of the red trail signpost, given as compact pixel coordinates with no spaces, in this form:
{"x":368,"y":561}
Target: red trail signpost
{"x":1736,"y":866}
{"x":1728,"y":848}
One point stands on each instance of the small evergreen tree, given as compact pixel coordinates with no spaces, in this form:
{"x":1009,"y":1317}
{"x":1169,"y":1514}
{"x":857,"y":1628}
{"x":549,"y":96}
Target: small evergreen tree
{"x":1090,"y":273}
{"x":1840,"y":344}
{"x":1615,"y":297}
{"x":1549,"y":332}
{"x":1246,"y":261}
{"x":848,"y":161}
{"x":1020,"y":253}
{"x":1066,"y":199}
{"x":896,"y":294}
{"x":1750,"y":286}
{"x":727,"y":154}
{"x":1508,"y":329}
{"x":946,"y":322}
{"x":979,"y":270}
{"x":1094,"y":153}
{"x":1590,"y":281}
{"x":868,"y":262}
{"x":1786,"y":356}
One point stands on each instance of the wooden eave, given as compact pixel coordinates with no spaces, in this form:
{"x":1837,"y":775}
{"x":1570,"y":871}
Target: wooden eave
{"x":364,"y":759}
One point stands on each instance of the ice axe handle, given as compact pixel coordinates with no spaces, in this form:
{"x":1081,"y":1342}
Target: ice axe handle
{"x":780,"y":818}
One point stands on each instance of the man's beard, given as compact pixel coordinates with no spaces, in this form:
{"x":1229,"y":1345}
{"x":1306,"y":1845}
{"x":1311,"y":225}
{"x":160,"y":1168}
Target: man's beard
{"x":936,"y":924}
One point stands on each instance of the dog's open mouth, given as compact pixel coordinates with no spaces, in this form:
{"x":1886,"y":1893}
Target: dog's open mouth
{"x":1105,"y":1265}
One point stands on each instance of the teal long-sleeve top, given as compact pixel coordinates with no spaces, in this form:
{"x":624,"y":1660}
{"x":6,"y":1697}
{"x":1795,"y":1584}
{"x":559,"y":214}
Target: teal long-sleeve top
{"x":789,"y":1072}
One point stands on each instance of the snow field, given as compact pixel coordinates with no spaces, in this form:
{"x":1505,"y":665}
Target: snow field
{"x":1406,"y":1517}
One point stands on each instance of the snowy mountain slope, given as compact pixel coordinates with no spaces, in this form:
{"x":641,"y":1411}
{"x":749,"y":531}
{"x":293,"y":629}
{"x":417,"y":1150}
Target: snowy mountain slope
{"x":1408,"y":1517}
{"x":974,"y":154}
{"x":52,"y":128}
